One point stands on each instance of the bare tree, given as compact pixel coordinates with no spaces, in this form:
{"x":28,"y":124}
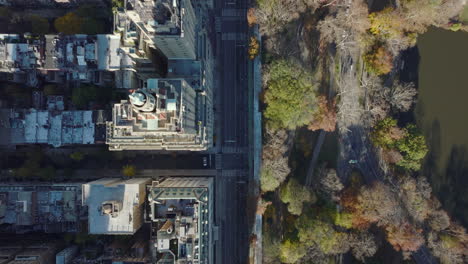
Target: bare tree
{"x":275,"y":166}
{"x":402,"y":96}
{"x":379,"y":204}
{"x":330,"y":183}
{"x":363,"y":245}
{"x":416,"y":195}
{"x":439,"y":220}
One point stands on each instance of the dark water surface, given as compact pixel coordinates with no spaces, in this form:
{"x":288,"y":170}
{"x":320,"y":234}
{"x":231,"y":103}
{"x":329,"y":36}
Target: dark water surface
{"x":442,"y":113}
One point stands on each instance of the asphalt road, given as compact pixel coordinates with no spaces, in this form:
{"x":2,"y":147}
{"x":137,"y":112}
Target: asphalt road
{"x":233,"y":117}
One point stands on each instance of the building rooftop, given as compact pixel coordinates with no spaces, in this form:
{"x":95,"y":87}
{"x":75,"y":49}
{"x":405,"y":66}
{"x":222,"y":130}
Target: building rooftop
{"x":163,"y":115}
{"x":53,"y":126}
{"x":114,"y":205}
{"x":50,"y":208}
{"x":159,"y":16}
{"x":108,"y":55}
{"x":16,"y":54}
{"x":181,"y":213}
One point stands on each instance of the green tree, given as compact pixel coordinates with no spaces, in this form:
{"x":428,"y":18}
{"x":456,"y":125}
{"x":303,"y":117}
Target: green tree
{"x":295,"y":195}
{"x":83,"y":95}
{"x":292,"y":251}
{"x":129,"y":170}
{"x":413,"y":147}
{"x":290,"y":96}
{"x":68,"y":24}
{"x":39,"y":25}
{"x":47,"y":174}
{"x":382,"y":135}
{"x":51,"y":89}
{"x":77,"y":156}
{"x":92,"y":26}
{"x":321,"y":234}
{"x":268,"y":182}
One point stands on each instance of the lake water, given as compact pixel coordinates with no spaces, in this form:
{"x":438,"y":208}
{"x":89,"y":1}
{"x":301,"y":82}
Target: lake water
{"x":442,"y":113}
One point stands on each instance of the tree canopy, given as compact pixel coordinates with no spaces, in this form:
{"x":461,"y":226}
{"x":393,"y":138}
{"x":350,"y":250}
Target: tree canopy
{"x":68,"y":24}
{"x":409,"y":142}
{"x":295,"y":194}
{"x":290,"y":96}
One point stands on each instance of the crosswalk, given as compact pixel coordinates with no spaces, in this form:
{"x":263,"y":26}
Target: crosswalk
{"x":233,"y":150}
{"x":233,"y":12}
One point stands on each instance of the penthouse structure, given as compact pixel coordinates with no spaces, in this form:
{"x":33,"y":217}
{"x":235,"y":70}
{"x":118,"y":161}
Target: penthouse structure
{"x":51,"y":208}
{"x":167,"y":24}
{"x":165,"y":115}
{"x":115,"y":207}
{"x":181,"y":214}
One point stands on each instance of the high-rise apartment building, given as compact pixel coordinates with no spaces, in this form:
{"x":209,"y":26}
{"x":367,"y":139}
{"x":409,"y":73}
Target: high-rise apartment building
{"x":162,"y":116}
{"x":167,"y":24}
{"x":181,"y":213}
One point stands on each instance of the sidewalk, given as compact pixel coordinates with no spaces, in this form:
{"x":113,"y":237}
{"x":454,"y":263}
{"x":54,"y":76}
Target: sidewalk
{"x":255,"y":88}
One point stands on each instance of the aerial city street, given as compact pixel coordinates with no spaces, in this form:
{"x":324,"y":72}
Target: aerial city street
{"x":133,"y":144}
{"x":233,"y":131}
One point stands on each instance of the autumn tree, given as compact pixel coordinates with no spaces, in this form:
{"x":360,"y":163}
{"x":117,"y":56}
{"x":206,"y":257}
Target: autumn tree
{"x":450,"y":245}
{"x":403,"y":236}
{"x":275,"y":166}
{"x":272,"y":15}
{"x":378,"y":204}
{"x":409,"y":142}
{"x":295,"y":195}
{"x":251,"y":19}
{"x":325,"y":118}
{"x":378,"y":60}
{"x":439,"y":220}
{"x":254,"y":48}
{"x":290,"y":95}
{"x":416,"y":195}
{"x":68,"y":24}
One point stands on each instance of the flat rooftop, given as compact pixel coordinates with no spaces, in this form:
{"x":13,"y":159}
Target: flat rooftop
{"x":129,"y":194}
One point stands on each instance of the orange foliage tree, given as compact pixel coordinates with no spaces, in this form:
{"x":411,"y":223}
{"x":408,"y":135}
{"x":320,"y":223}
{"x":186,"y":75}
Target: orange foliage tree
{"x":325,"y":118}
{"x":379,"y":60}
{"x":251,"y":18}
{"x":254,"y":48}
{"x":404,"y":237}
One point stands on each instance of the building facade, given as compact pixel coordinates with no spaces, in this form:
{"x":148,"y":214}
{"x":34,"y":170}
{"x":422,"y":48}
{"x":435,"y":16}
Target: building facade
{"x":181,"y":214}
